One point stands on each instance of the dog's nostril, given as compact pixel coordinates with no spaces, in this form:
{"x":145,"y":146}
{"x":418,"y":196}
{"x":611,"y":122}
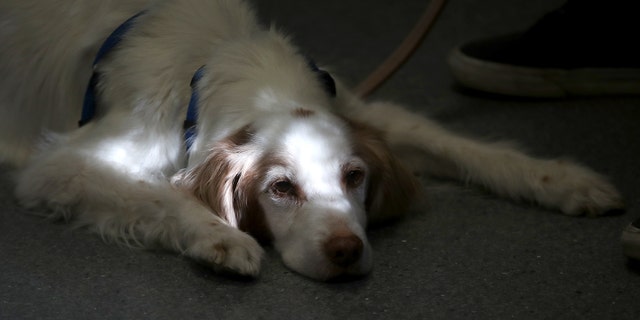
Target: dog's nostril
{"x":343,"y":250}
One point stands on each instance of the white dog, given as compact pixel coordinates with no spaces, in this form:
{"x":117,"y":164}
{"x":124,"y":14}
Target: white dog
{"x":279,"y":153}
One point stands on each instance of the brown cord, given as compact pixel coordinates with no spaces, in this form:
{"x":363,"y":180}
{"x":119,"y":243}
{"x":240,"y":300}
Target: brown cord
{"x":403,"y":51}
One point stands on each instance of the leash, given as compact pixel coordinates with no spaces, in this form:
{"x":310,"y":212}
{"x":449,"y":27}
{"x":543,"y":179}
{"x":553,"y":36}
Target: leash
{"x":403,"y":52}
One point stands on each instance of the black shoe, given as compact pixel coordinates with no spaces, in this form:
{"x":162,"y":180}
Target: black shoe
{"x":631,"y":240}
{"x":564,"y":53}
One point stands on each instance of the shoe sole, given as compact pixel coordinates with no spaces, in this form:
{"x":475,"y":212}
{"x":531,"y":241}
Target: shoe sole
{"x":542,"y":82}
{"x":631,"y":242}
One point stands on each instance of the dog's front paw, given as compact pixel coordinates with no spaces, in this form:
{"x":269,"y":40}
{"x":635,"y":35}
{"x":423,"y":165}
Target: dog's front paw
{"x":228,"y":249}
{"x":593,"y":197}
{"x":578,"y":190}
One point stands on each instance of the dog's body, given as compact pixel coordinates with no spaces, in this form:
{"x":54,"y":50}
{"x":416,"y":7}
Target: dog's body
{"x":275,"y":155}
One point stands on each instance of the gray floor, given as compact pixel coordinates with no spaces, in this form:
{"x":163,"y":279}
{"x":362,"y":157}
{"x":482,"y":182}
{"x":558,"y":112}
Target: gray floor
{"x":465,"y":255}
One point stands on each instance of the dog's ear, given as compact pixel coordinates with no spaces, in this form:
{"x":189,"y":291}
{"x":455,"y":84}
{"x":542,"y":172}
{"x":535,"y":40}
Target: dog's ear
{"x":249,"y":213}
{"x":391,"y":187}
{"x":214,"y":180}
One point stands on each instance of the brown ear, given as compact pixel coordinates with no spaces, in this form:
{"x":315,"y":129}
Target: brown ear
{"x":225,"y":184}
{"x":212,"y":182}
{"x":249,"y":212}
{"x":392,"y":187}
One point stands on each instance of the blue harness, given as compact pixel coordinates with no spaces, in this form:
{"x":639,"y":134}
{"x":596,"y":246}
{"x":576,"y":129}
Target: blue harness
{"x":190,"y":123}
{"x":89,"y":103}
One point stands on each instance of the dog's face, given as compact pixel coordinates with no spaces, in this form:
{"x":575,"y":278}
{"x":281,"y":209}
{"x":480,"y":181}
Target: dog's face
{"x":307,"y":182}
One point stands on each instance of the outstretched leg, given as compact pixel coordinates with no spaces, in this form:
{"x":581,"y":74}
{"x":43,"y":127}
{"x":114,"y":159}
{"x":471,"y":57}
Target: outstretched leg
{"x":560,"y":184}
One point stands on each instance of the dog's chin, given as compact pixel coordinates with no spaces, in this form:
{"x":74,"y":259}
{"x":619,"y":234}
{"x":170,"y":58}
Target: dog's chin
{"x":321,"y":269}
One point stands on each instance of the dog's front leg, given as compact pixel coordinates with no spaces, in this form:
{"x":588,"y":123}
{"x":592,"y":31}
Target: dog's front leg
{"x":560,"y":184}
{"x":133,"y":207}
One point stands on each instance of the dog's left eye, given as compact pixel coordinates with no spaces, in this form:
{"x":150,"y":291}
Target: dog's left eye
{"x":283,"y":188}
{"x":354,"y":178}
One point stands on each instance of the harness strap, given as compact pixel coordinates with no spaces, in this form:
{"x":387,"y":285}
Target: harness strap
{"x":89,"y":103}
{"x":191,"y":121}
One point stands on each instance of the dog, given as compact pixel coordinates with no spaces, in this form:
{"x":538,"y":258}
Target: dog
{"x":275,"y":150}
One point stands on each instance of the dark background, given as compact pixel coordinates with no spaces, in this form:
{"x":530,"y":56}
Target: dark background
{"x":464,"y":254}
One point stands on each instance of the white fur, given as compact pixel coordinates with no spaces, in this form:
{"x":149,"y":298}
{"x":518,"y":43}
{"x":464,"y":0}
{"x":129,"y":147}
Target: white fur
{"x":127,"y":176}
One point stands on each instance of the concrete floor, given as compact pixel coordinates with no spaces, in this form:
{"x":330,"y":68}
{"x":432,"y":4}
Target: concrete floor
{"x":464,"y":255}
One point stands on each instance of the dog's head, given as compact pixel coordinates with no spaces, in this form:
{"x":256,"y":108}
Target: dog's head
{"x":307,"y":182}
{"x":292,"y":173}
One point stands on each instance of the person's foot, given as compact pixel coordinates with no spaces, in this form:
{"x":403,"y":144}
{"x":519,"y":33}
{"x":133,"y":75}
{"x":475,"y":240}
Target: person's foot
{"x":564,"y":53}
{"x":631,"y":240}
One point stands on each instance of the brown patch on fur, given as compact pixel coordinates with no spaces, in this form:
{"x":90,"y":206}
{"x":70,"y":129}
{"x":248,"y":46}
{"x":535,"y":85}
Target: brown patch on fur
{"x":220,"y":248}
{"x":251,"y":216}
{"x":546,"y":179}
{"x":240,"y":137}
{"x":208,"y":181}
{"x":220,"y":185}
{"x":391,"y":187}
{"x":302,"y":113}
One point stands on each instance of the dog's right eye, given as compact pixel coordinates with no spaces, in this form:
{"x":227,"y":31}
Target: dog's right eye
{"x":283,"y":188}
{"x":354,"y":178}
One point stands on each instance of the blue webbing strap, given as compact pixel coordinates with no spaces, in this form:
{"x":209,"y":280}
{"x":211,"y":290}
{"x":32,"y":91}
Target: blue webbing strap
{"x":191,"y":121}
{"x":89,"y":103}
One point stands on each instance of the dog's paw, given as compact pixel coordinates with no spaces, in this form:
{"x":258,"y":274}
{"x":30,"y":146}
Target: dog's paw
{"x":228,"y":249}
{"x":593,"y":198}
{"x":577,"y":190}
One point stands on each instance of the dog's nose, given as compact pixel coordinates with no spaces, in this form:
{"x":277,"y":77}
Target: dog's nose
{"x":343,"y":250}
